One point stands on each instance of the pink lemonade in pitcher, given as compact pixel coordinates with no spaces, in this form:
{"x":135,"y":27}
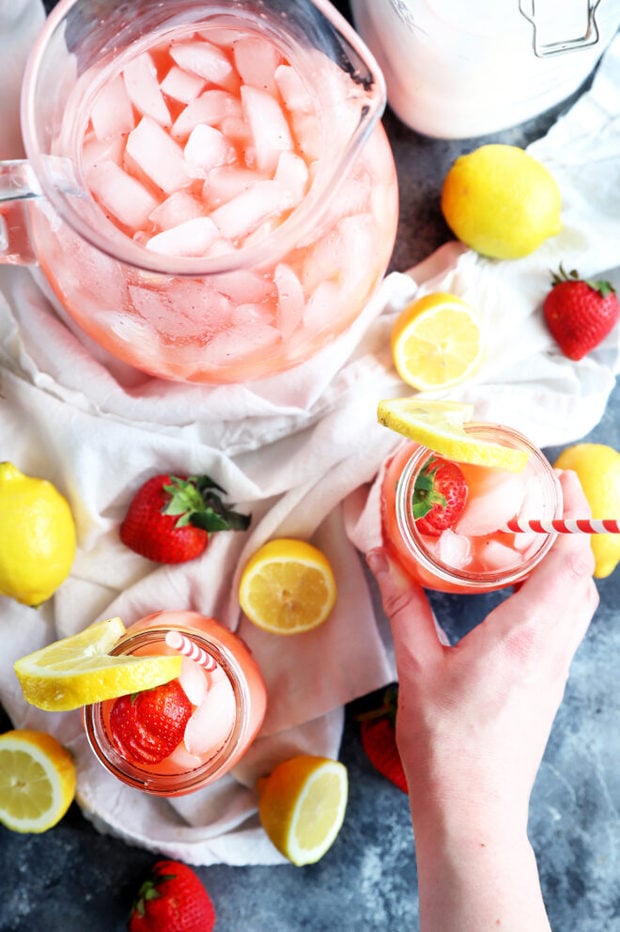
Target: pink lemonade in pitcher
{"x":446,"y":521}
{"x":178,"y":737}
{"x":206,"y":145}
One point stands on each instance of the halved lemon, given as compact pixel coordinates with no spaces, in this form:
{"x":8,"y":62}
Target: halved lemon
{"x":302,"y":805}
{"x":37,"y":780}
{"x":437,"y":342}
{"x":287,"y":586}
{"x":78,"y":670}
{"x":439,"y":425}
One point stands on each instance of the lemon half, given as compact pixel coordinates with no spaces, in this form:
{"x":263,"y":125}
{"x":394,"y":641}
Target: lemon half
{"x":302,"y":805}
{"x":78,"y":670}
{"x":37,"y":780}
{"x":437,"y":342}
{"x":287,"y":587}
{"x":439,"y":425}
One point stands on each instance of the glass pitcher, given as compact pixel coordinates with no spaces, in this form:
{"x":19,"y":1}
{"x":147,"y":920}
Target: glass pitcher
{"x":457,"y":70}
{"x":208,"y":189}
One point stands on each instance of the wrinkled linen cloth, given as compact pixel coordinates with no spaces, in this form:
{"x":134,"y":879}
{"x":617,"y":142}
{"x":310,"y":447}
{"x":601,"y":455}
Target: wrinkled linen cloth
{"x":300,"y":451}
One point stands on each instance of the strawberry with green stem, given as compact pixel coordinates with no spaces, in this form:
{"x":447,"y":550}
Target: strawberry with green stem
{"x":171,"y":518}
{"x":378,"y":736}
{"x":172,"y":899}
{"x":579,"y":313}
{"x":439,"y":496}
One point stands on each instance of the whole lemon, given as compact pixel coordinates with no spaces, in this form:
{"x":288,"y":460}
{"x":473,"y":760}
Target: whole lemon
{"x":598,"y":468}
{"x":501,"y":202}
{"x":37,"y":537}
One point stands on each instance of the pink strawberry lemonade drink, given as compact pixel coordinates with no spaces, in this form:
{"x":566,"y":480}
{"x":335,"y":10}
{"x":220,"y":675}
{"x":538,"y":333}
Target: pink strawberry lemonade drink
{"x":181,"y":736}
{"x":214,"y":160}
{"x":462,"y":546}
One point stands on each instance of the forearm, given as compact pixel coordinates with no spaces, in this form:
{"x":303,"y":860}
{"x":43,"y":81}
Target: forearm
{"x":475,"y":875}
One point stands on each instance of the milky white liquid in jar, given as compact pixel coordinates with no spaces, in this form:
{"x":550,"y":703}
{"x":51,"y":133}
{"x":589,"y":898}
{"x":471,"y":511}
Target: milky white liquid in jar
{"x":456,"y":70}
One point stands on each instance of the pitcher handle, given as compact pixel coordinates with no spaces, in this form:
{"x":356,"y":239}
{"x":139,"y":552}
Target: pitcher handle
{"x":543,"y":49}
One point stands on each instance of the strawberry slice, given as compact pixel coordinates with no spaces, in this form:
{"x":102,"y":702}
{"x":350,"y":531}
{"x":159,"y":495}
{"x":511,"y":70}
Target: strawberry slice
{"x":146,"y":727}
{"x":439,"y":496}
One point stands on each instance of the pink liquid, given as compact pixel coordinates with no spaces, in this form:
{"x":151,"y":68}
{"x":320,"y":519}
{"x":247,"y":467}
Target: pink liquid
{"x":202,"y":146}
{"x":476,"y":554}
{"x":228,"y":707}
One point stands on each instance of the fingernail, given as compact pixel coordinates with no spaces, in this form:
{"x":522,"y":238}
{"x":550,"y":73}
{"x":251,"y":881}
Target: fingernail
{"x":377,"y":561}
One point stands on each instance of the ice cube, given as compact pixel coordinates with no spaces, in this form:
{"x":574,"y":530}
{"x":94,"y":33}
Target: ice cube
{"x":112,"y":113}
{"x":225,"y":183}
{"x":496,"y":556}
{"x":96,"y":150}
{"x":212,"y":722}
{"x":181,"y":85}
{"x":143,"y":89}
{"x":357,"y":247}
{"x":247,"y":210}
{"x":292,"y":174}
{"x":182,"y":760}
{"x":193,"y":681}
{"x":270,"y":130}
{"x":495,"y":497}
{"x":157,"y":155}
{"x":212,"y":107}
{"x":239,"y":341}
{"x":294,"y":92}
{"x":453,"y":549}
{"x":192,"y":312}
{"x":119,"y":193}
{"x":243,"y":286}
{"x":176,"y":209}
{"x":256,"y":60}
{"x":291,"y":301}
{"x":206,"y":149}
{"x":191,"y":238}
{"x":206,"y":60}
{"x":322,"y":307}
{"x":309,"y":135}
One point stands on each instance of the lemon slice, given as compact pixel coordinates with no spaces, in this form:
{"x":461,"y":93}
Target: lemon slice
{"x":37,"y":780}
{"x":78,"y":670}
{"x":302,"y":805}
{"x":287,"y":587}
{"x":437,"y":342}
{"x":439,"y":425}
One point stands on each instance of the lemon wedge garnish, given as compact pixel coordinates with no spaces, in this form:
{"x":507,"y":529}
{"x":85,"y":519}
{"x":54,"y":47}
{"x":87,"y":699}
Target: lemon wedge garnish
{"x":302,"y":806}
{"x":78,"y":670}
{"x":287,"y":587}
{"x":437,"y":342}
{"x":37,"y":780}
{"x":439,"y":425}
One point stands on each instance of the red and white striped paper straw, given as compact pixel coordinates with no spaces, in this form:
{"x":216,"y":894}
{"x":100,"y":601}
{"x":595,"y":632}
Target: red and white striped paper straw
{"x":189,"y":649}
{"x":565,"y":526}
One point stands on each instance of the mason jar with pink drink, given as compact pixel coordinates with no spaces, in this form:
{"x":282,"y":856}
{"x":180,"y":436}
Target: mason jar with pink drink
{"x":209,"y":193}
{"x":176,"y":738}
{"x":462,"y":527}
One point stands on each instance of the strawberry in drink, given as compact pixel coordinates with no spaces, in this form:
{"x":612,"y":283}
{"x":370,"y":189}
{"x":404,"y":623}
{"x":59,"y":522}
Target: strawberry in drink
{"x":205,"y":149}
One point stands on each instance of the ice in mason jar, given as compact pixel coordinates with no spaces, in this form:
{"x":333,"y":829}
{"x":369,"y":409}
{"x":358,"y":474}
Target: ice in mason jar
{"x":476,"y":553}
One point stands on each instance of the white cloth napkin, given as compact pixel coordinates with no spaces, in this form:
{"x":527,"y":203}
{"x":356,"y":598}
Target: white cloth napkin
{"x":300,"y":451}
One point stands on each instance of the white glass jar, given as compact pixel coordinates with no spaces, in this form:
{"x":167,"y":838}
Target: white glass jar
{"x":456,"y":70}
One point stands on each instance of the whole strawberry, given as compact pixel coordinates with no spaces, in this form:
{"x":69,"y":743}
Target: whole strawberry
{"x":147,"y":726}
{"x":439,"y":496}
{"x":378,"y":735}
{"x":579,"y":313}
{"x":172,"y":899}
{"x":170,"y":518}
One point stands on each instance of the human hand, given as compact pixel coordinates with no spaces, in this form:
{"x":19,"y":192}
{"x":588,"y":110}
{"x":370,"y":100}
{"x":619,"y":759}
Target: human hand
{"x":474,"y":719}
